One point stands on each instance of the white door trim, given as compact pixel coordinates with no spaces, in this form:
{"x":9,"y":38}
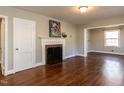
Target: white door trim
{"x":34,"y":40}
{"x":5,"y":68}
{"x":85,"y":35}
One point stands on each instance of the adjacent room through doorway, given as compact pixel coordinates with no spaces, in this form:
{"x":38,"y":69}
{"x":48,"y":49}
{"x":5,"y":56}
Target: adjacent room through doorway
{"x":106,"y":40}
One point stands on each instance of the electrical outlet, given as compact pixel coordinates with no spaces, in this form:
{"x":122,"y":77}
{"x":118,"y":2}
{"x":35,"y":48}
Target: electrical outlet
{"x":112,"y":50}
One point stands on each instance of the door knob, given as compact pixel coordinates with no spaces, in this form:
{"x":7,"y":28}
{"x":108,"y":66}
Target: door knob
{"x":17,"y":49}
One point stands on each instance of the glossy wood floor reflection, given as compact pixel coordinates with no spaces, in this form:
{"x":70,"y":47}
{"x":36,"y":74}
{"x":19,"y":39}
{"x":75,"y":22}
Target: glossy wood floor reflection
{"x":96,"y":69}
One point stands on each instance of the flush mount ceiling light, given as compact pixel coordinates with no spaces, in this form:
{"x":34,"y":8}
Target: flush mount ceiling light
{"x":83,"y":9}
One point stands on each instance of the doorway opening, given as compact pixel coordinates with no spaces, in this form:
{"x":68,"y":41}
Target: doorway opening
{"x":2,"y":36}
{"x":86,"y":36}
{"x":3,"y":45}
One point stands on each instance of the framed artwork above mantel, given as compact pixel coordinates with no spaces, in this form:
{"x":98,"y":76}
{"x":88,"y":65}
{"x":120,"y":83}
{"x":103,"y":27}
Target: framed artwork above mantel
{"x":54,"y":28}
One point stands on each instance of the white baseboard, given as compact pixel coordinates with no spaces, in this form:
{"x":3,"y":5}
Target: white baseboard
{"x":38,"y":64}
{"x":91,"y":51}
{"x":80,"y":55}
{"x":10,"y":72}
{"x":73,"y":56}
{"x":107,"y":52}
{"x":69,"y":56}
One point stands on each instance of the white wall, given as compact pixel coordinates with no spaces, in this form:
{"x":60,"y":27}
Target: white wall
{"x":80,"y":40}
{"x":42,"y":29}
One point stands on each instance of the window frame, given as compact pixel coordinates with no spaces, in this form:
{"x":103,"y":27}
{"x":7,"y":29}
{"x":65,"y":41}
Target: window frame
{"x":106,"y":38}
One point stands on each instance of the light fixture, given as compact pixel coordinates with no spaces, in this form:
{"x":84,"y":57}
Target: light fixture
{"x":83,"y":9}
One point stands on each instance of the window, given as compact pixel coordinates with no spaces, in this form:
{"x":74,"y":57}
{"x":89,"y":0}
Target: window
{"x":112,"y":38}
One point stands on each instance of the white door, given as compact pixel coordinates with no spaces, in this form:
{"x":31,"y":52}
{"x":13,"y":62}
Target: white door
{"x":24,"y":44}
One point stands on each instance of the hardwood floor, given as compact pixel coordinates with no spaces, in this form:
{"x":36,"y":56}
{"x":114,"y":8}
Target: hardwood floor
{"x":96,"y":69}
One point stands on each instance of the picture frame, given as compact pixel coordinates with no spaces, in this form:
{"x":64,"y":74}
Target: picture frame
{"x":54,"y":28}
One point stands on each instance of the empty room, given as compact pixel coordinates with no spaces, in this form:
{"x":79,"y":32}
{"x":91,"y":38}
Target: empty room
{"x":61,"y":45}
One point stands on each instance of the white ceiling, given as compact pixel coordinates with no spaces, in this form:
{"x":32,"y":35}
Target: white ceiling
{"x":73,"y":15}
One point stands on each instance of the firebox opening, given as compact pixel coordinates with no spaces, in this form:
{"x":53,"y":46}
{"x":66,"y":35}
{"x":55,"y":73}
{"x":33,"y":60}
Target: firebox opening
{"x":53,"y":54}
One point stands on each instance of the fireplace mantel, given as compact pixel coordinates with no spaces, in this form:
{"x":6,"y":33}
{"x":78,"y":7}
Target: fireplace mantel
{"x":51,"y":41}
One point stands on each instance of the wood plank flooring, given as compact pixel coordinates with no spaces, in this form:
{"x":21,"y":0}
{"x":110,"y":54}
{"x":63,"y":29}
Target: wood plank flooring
{"x":96,"y":69}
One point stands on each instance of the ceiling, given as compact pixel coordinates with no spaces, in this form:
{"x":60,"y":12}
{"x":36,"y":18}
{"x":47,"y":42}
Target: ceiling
{"x":73,"y":15}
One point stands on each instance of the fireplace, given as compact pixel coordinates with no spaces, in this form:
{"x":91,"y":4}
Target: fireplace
{"x":47,"y":44}
{"x":53,"y":53}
